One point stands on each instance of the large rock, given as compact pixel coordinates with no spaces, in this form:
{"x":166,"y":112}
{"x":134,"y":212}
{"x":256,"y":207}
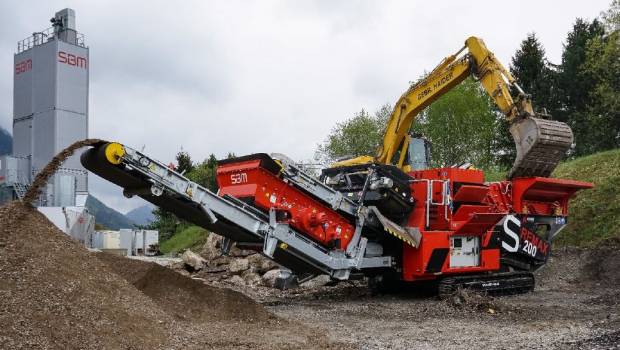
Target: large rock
{"x":238,"y":265}
{"x":318,"y":281}
{"x":261,"y":264}
{"x":256,"y":260}
{"x":236,"y":280}
{"x":221,"y":261}
{"x":212,"y":248}
{"x":267,"y":265}
{"x":193,"y":260}
{"x":269,"y":278}
{"x":251,"y":278}
{"x":236,"y":252}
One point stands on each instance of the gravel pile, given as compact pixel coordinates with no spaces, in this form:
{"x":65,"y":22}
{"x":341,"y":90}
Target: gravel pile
{"x":55,"y":294}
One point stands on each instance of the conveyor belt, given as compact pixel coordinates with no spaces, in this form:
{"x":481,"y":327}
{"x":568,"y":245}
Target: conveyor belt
{"x":153,"y":181}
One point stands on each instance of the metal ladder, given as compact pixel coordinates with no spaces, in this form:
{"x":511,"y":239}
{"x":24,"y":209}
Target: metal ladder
{"x":20,"y":190}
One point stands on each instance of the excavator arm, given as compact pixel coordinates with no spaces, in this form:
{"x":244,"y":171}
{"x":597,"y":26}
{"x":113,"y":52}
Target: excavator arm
{"x":540,"y":143}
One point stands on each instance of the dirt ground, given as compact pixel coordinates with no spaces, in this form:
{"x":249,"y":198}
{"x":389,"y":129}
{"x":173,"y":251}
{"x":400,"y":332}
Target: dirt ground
{"x":576,"y":305}
{"x":54,"y":294}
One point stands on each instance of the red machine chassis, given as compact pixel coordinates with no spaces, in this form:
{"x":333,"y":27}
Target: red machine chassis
{"x":458,"y":215}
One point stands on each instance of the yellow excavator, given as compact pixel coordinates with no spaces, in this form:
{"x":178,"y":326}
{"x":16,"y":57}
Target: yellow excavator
{"x":540,"y":143}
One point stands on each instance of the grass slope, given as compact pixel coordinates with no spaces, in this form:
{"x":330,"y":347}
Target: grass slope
{"x":192,"y":237}
{"x":594,"y":215}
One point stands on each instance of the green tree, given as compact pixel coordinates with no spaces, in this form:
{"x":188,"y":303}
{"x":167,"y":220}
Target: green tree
{"x":461,"y":126}
{"x":597,"y":126}
{"x":611,"y":17}
{"x":184,"y":162}
{"x":573,"y":83}
{"x":530,"y":68}
{"x":538,"y":78}
{"x":357,"y":136}
{"x":204,"y":173}
{"x":165,"y":222}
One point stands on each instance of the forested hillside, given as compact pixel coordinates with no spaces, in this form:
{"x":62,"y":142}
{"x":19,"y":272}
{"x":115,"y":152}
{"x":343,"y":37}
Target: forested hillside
{"x":6,"y":142}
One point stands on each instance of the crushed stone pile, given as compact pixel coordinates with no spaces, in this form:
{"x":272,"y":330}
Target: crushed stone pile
{"x":183,"y":297}
{"x":243,"y":268}
{"x":56,"y":295}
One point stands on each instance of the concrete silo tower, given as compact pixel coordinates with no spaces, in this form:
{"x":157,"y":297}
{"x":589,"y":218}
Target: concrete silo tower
{"x":50,"y":107}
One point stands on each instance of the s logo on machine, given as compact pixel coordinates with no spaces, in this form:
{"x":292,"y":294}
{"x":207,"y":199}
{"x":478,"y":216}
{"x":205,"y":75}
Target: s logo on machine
{"x":511,"y":226}
{"x":517,"y":238}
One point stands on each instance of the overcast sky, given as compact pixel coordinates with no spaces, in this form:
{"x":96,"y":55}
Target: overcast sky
{"x":264,"y":76}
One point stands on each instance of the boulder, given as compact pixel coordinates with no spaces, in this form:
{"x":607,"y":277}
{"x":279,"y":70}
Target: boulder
{"x":236,"y":252}
{"x":220,"y":261}
{"x":193,"y":260}
{"x":251,"y":278}
{"x":256,"y":260}
{"x":269,"y":278}
{"x":236,"y":279}
{"x":211,"y":249}
{"x":267,"y":265}
{"x":261,"y":264}
{"x":238,"y":265}
{"x":179,"y":265}
{"x":318,"y":281}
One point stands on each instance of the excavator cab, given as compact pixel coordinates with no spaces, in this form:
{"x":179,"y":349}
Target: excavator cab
{"x":419,"y":152}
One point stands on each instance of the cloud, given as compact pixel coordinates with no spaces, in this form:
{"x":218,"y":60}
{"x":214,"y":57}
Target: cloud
{"x":264,"y":76}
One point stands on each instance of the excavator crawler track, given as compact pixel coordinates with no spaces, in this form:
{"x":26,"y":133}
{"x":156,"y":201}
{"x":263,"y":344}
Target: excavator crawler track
{"x":541,"y":145}
{"x":507,"y":283}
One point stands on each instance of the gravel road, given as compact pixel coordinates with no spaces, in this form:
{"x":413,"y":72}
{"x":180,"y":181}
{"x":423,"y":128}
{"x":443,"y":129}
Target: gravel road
{"x":576,"y":304}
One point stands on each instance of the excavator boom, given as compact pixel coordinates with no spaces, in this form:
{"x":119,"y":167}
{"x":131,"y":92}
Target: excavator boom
{"x":540,"y":143}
